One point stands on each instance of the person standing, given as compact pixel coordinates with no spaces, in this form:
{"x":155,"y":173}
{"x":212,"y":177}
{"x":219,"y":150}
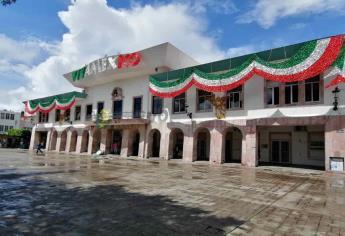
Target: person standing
{"x":39,"y":148}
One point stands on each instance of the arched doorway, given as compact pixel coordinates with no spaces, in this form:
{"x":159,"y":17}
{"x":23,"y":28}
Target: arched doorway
{"x":116,"y":143}
{"x":74,"y":138}
{"x":154,"y":143}
{"x":53,"y":140}
{"x":96,"y":141}
{"x":202,"y":144}
{"x":84,"y":141}
{"x":233,"y":145}
{"x":176,"y":139}
{"x":63,"y":140}
{"x":135,"y":139}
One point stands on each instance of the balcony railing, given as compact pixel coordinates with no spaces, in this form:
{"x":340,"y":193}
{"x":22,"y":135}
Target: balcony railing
{"x":123,"y":116}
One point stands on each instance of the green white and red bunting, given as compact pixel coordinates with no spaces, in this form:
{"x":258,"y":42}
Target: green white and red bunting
{"x":32,"y":107}
{"x":310,"y":60}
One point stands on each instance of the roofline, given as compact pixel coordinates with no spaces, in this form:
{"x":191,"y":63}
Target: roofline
{"x":61,"y":94}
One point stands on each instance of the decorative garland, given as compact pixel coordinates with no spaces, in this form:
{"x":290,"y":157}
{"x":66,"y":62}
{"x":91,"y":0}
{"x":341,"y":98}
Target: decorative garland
{"x":338,"y":70}
{"x":62,"y":102}
{"x":310,"y":60}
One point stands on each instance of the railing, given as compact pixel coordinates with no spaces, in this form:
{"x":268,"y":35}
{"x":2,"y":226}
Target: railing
{"x":122,"y":116}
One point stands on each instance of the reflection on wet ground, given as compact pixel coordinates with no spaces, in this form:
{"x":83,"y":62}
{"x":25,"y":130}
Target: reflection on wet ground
{"x":70,"y":195}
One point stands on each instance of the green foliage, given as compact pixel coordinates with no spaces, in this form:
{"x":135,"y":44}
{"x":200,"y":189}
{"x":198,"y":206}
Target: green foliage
{"x":16,"y":132}
{"x":7,"y":2}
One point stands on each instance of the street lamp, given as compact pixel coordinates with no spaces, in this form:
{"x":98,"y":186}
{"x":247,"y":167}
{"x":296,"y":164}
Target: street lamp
{"x":335,"y":103}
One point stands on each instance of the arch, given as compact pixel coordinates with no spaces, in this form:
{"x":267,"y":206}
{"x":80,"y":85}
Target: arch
{"x":63,"y":140}
{"x":134,"y":143}
{"x":84,"y":141}
{"x":176,"y":139}
{"x":154,"y":143}
{"x":232,"y":140}
{"x":53,"y":140}
{"x":74,"y":137}
{"x":96,"y":141}
{"x":201,"y":146}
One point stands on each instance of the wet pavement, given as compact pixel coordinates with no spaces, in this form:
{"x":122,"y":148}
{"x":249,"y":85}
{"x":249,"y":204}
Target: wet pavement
{"x":71,"y":195}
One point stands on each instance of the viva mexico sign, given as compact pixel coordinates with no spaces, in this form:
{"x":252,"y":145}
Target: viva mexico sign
{"x":107,"y":63}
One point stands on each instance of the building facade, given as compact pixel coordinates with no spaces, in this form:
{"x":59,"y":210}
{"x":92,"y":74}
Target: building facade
{"x":278,"y":106}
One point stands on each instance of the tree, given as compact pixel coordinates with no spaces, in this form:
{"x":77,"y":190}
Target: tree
{"x":15,"y":132}
{"x":7,"y":2}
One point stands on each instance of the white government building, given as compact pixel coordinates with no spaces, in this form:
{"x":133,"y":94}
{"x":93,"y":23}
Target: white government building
{"x":277,"y":106}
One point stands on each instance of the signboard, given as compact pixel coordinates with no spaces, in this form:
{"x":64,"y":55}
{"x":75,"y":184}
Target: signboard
{"x":107,"y":63}
{"x":337,"y":163}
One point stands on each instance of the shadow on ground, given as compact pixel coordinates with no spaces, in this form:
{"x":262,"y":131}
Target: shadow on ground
{"x":32,"y":206}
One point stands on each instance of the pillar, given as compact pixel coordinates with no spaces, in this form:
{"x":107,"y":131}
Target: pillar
{"x":216,"y":147}
{"x":142,"y":142}
{"x":58,"y":141}
{"x":90,"y":144}
{"x":48,"y":140}
{"x":33,"y":139}
{"x":249,"y":147}
{"x":188,"y":146}
{"x":125,"y":142}
{"x":68,"y":141}
{"x":164,"y":146}
{"x":79,"y":140}
{"x":104,"y":140}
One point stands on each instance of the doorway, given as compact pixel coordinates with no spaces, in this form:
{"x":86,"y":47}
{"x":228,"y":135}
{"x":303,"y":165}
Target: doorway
{"x":280,"y":151}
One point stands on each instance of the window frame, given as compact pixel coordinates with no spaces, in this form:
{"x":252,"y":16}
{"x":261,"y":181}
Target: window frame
{"x":179,"y":99}
{"x":311,"y":83}
{"x":205,"y":97}
{"x":88,"y":117}
{"x":75,"y":113}
{"x":238,"y":90}
{"x":272,"y":86}
{"x":153,"y":111}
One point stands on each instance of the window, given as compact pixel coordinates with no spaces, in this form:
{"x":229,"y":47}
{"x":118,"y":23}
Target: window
{"x":316,"y":145}
{"x":179,"y":103}
{"x":88,"y":114}
{"x":291,"y":93}
{"x":312,"y":89}
{"x":10,"y":127}
{"x":67,"y":115}
{"x":203,"y":101}
{"x":1,"y":128}
{"x":136,"y":107}
{"x":157,"y":105}
{"x":77,"y":113}
{"x":6,"y":128}
{"x":100,"y":107}
{"x":42,"y":117}
{"x":57,"y":115}
{"x":2,"y":116}
{"x":234,"y":98}
{"x":272,"y":94}
{"x":7,"y":116}
{"x":12,"y":117}
{"x":117,"y":109}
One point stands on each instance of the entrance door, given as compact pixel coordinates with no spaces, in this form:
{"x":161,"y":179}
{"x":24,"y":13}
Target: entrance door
{"x":280,"y":152}
{"x":137,"y":107}
{"x":117,"y":109}
{"x":156,"y":144}
{"x":116,"y":145}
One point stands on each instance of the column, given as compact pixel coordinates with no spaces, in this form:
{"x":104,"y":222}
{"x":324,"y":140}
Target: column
{"x":79,"y":141}
{"x":68,"y":141}
{"x":216,"y":147}
{"x":33,"y":139}
{"x":188,"y":147}
{"x":90,"y":144}
{"x":164,"y":146}
{"x":142,"y":142}
{"x":104,"y":136}
{"x":49,"y":134}
{"x":58,"y":141}
{"x":249,"y":147}
{"x":125,"y":142}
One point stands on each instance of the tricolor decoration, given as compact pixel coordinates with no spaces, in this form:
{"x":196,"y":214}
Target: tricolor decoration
{"x":62,"y":102}
{"x":107,"y":63}
{"x":338,"y":70}
{"x":310,"y":60}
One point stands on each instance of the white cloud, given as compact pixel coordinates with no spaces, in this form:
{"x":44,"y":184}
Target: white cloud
{"x":96,"y":29}
{"x":267,"y":12}
{"x":202,"y":6}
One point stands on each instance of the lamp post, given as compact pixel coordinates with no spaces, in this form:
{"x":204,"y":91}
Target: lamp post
{"x":189,"y":114}
{"x":335,"y":103}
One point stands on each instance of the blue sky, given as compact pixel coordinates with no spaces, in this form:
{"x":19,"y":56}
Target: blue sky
{"x":40,"y":40}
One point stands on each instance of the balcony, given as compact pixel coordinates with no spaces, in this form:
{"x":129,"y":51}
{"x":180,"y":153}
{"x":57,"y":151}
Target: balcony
{"x":125,"y":118}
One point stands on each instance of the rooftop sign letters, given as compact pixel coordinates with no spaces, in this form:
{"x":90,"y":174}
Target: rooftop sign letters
{"x":107,"y":63}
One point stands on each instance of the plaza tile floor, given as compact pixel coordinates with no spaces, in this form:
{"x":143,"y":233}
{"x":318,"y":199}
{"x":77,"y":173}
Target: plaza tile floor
{"x":59,"y":194}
